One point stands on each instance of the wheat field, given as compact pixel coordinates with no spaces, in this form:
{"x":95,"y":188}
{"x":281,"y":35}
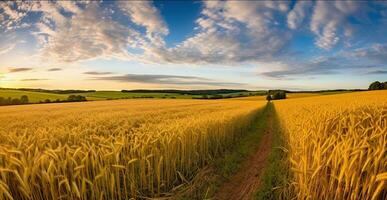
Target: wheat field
{"x":337,"y":145}
{"x":114,"y":149}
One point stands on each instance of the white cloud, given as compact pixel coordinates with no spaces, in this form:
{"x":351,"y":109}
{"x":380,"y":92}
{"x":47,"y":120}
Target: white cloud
{"x":143,"y":13}
{"x":231,"y":32}
{"x":297,"y":15}
{"x":10,"y":18}
{"x":330,"y":18}
{"x":82,"y":37}
{"x":7,"y":48}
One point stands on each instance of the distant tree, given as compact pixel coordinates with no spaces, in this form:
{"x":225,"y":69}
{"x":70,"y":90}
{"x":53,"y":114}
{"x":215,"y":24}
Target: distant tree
{"x":74,"y":98}
{"x":204,"y":96}
{"x":15,"y":101}
{"x":276,"y":94}
{"x":24,"y":99}
{"x":47,"y":101}
{"x":8,"y":101}
{"x":268,"y":97}
{"x":385,"y":85}
{"x":376,"y":86}
{"x":216,"y":96}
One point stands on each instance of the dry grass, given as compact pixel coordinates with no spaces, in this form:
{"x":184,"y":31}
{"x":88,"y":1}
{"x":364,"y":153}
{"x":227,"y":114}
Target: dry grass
{"x":113,"y":149}
{"x":337,"y":145}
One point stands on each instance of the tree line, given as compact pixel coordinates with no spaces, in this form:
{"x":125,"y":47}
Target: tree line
{"x":378,"y":86}
{"x":14,"y":101}
{"x":25,"y":100}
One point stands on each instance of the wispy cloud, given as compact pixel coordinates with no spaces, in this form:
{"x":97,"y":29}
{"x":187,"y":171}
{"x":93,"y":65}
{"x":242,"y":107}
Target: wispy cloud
{"x":377,"y":72}
{"x":97,"y":73}
{"x":8,"y":48}
{"x":321,"y":66}
{"x":376,"y":52}
{"x":34,"y":79}
{"x":20,"y":69}
{"x":54,"y":69}
{"x":167,"y":80}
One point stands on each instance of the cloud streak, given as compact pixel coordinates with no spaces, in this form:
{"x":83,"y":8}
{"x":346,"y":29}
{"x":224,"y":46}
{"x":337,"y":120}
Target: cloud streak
{"x":54,"y":69}
{"x":97,"y":73}
{"x":34,"y":79}
{"x":20,"y":69}
{"x":166,"y":80}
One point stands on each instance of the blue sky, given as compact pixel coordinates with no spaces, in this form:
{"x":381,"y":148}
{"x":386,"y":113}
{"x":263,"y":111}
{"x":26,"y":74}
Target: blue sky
{"x":114,"y":45}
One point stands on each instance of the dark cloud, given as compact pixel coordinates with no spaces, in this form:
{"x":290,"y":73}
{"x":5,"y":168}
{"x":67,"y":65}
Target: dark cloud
{"x":167,"y":80}
{"x":34,"y":79}
{"x":21,"y":69}
{"x":377,"y":72}
{"x":97,"y":73}
{"x":54,"y":69}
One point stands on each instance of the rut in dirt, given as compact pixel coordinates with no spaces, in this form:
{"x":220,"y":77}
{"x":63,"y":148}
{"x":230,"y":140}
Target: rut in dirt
{"x":243,"y":184}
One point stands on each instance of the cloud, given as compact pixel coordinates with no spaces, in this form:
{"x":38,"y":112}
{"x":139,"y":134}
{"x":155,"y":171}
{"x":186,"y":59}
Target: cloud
{"x":322,"y":66}
{"x":331,"y":20}
{"x":231,"y":32}
{"x":376,"y":52}
{"x":377,"y":72}
{"x":20,"y":69}
{"x":82,"y":38}
{"x":8,"y":48}
{"x":11,"y":18}
{"x":54,"y":69}
{"x":34,"y":79}
{"x":297,"y":15}
{"x":166,"y":80}
{"x":226,"y":33}
{"x":143,"y":13}
{"x":97,"y":73}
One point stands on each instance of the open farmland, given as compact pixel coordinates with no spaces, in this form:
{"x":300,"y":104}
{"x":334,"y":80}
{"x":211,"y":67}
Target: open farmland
{"x":114,"y":149}
{"x":34,"y":97}
{"x":337,"y":145}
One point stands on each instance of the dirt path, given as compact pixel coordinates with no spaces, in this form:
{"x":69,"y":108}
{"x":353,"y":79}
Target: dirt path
{"x":245,"y":182}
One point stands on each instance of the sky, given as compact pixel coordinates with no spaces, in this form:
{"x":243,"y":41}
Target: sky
{"x":115,"y":45}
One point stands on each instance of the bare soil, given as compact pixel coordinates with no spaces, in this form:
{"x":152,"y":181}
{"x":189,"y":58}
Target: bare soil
{"x":243,"y":184}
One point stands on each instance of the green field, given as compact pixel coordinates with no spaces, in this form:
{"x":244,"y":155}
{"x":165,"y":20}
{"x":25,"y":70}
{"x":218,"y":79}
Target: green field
{"x":100,"y":95}
{"x":34,"y":97}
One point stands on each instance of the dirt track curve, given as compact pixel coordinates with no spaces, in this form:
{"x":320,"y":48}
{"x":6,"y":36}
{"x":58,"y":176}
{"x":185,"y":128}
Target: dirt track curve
{"x":243,"y":184}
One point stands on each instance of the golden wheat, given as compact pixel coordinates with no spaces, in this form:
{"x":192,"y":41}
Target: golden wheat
{"x":337,"y":145}
{"x":113,"y":149}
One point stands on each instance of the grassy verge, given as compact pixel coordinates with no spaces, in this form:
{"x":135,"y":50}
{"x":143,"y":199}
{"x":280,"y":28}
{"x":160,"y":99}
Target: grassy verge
{"x":208,"y":180}
{"x":276,"y":174}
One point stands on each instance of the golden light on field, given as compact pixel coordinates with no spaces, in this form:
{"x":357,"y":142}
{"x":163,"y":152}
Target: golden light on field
{"x":113,"y":149}
{"x":337,"y":145}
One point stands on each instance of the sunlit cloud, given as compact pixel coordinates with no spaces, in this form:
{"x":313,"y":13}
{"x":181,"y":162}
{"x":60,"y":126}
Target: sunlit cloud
{"x":19,"y":69}
{"x":97,"y":73}
{"x":34,"y":79}
{"x":54,"y":69}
